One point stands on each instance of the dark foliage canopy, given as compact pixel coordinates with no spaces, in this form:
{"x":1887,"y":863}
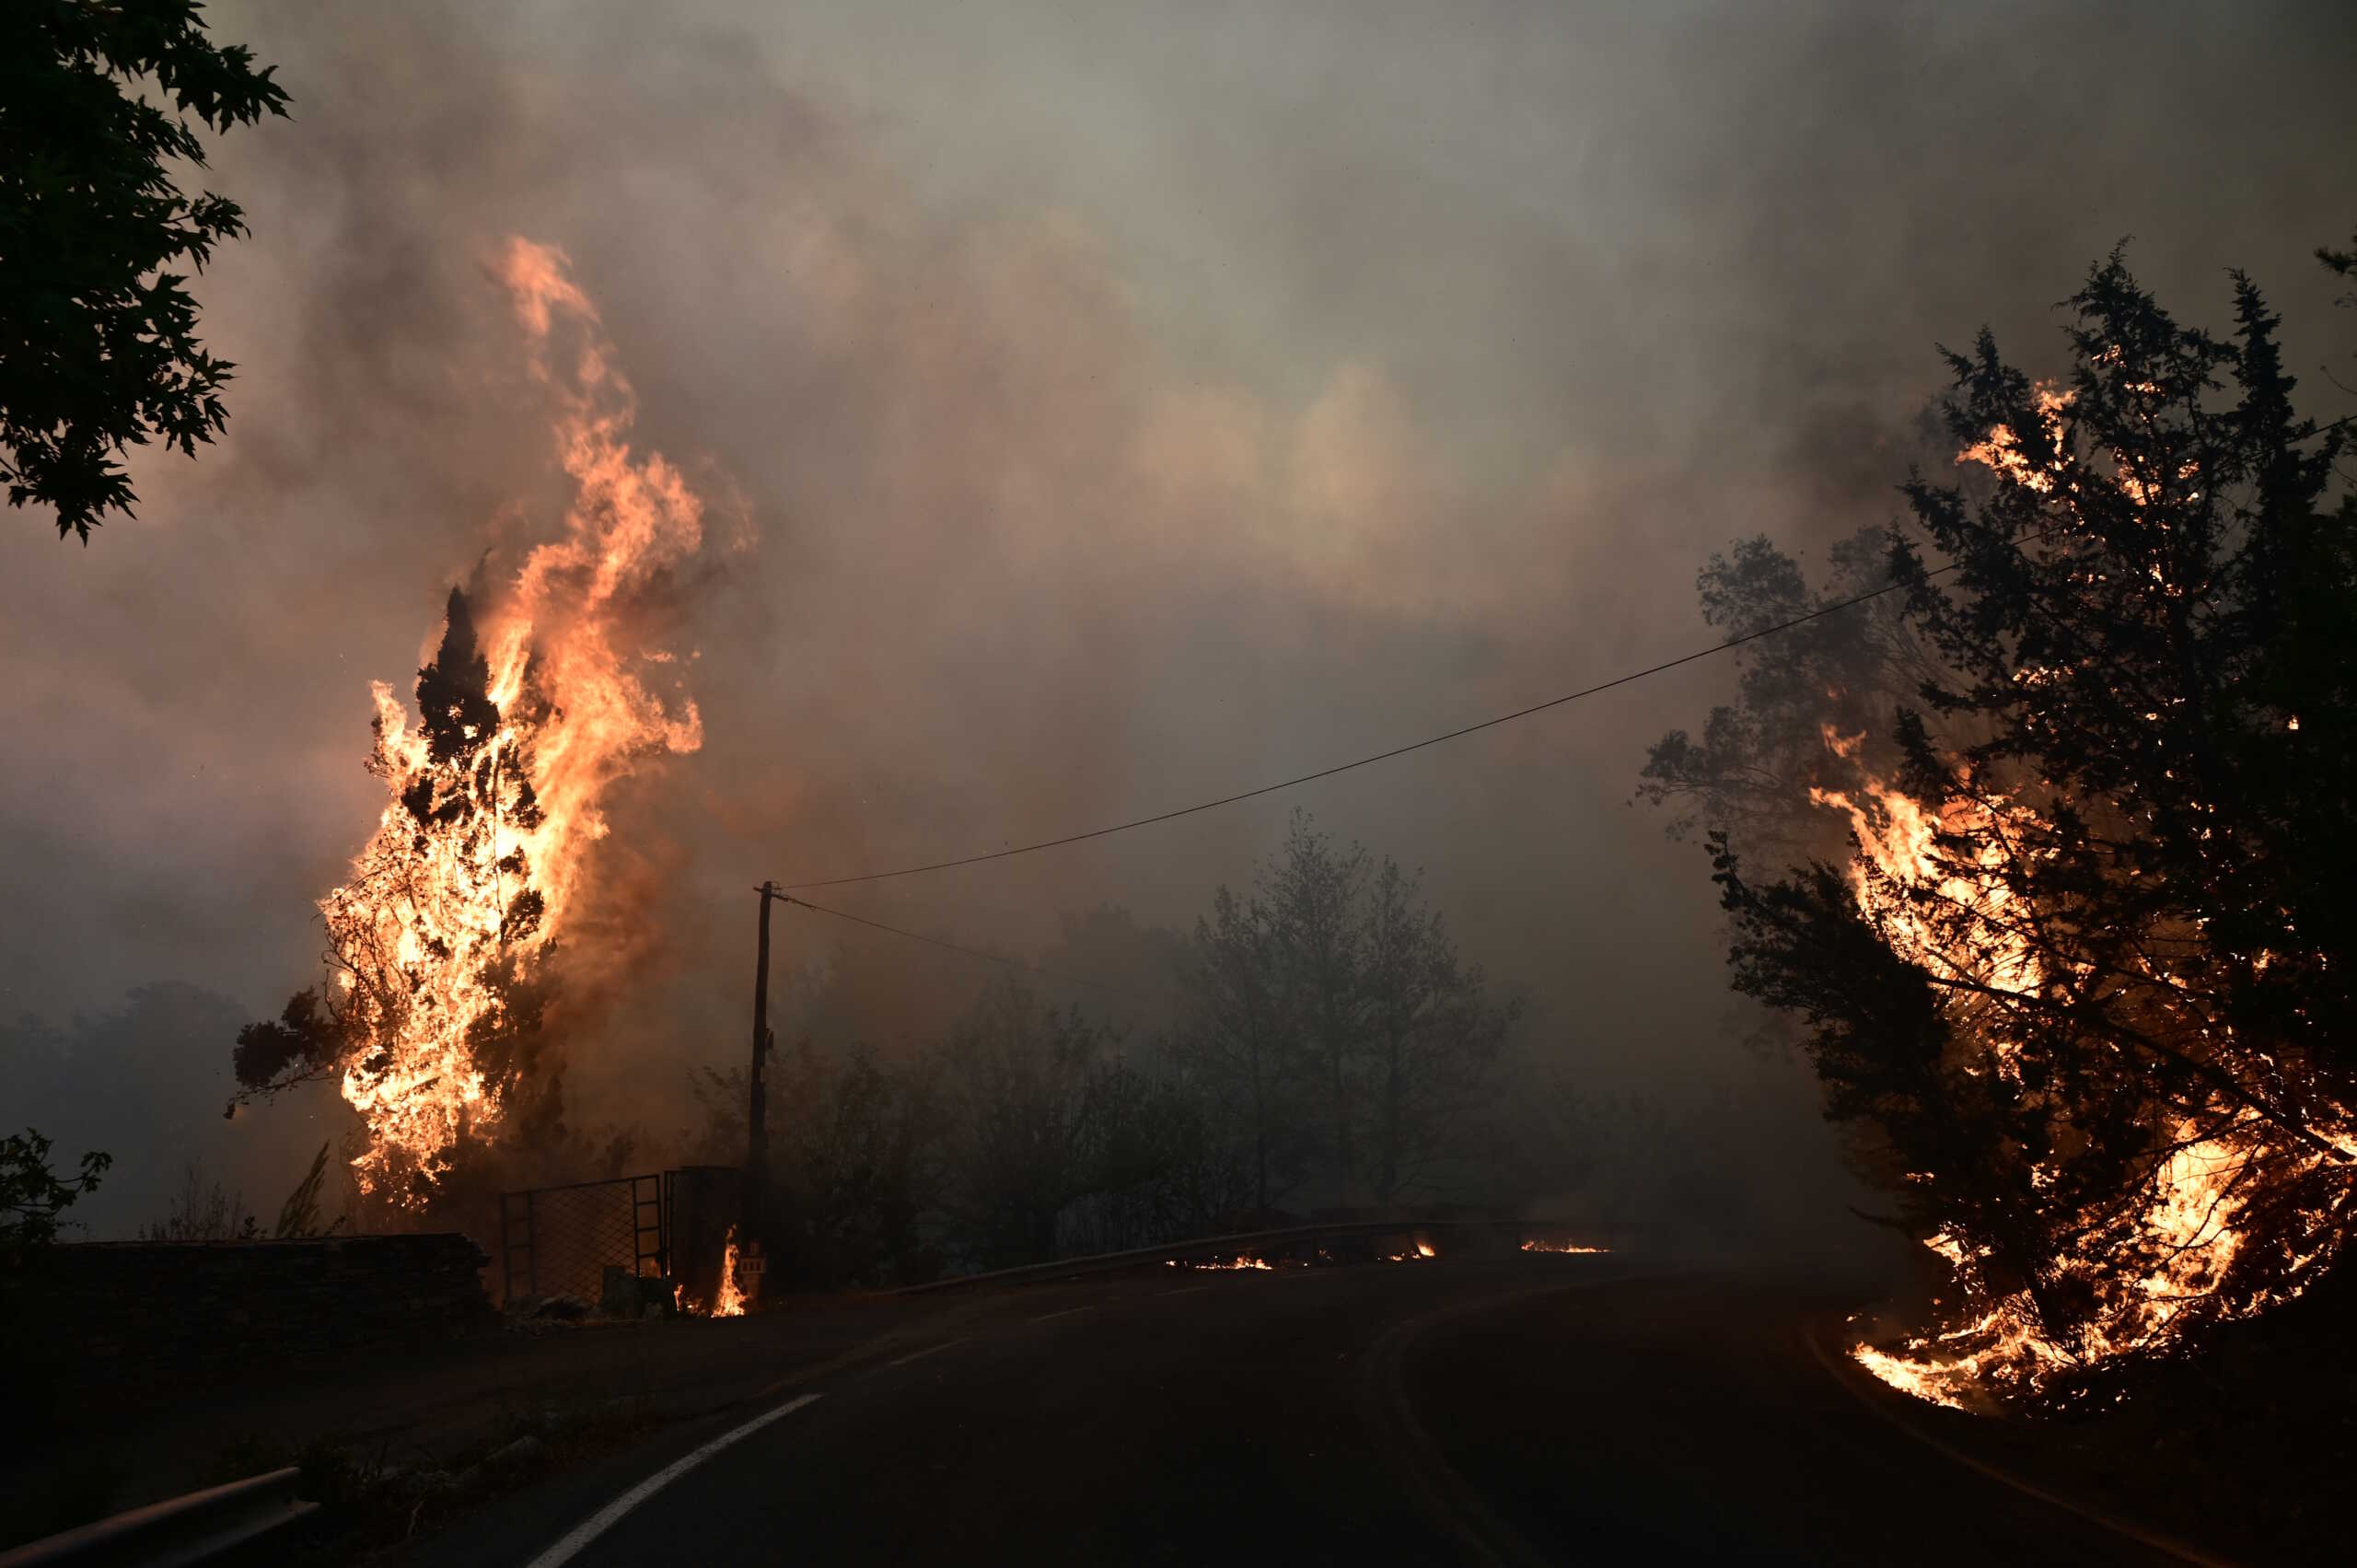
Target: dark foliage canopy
{"x":98,"y":350}
{"x":32,"y":1194}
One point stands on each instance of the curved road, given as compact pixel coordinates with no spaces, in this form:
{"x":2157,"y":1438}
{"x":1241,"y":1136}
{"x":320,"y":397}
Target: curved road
{"x":1526,"y":1410}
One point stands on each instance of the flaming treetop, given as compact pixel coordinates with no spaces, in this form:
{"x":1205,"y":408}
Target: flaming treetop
{"x":528,"y":709}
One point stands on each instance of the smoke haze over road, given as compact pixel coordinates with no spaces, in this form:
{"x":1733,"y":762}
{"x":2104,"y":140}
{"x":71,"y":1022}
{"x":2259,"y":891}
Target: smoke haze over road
{"x":1100,"y":409}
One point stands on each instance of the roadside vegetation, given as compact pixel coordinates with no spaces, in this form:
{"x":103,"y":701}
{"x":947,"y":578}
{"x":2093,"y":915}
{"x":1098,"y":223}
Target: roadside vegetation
{"x":100,"y":105}
{"x":33,"y":1196}
{"x":2042,"y":852}
{"x":1326,"y":1044}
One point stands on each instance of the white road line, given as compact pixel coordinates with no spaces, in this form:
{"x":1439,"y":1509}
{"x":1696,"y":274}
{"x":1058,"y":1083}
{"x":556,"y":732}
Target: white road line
{"x":605,"y":1518}
{"x":929,"y":1350}
{"x":1186,"y":1290}
{"x":1066,"y":1313}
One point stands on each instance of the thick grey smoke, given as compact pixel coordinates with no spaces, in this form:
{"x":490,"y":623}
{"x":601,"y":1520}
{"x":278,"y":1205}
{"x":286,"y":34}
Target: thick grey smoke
{"x":1116,"y":406}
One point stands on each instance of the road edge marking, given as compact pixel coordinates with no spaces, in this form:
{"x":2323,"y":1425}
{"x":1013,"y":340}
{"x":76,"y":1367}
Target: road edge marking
{"x":605,"y":1518}
{"x":1448,"y":1500}
{"x":930,"y":1350}
{"x":2127,"y":1530}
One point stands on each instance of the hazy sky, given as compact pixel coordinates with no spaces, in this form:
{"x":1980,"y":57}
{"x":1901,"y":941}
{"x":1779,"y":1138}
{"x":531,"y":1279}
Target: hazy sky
{"x":1118,"y":406}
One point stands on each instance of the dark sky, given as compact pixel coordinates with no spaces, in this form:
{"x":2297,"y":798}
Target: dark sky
{"x":1115,"y":406}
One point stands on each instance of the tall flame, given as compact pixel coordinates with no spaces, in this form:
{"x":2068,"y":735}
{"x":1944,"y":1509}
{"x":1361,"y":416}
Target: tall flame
{"x":1957,"y":921}
{"x":730,"y":1302}
{"x":482,"y":849}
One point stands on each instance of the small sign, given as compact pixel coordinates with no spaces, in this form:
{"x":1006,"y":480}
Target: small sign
{"x":752,"y":1263}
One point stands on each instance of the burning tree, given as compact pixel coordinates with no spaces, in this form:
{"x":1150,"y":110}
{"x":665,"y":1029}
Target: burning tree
{"x":433,"y":1014}
{"x":2081,"y":985}
{"x":439,"y":945}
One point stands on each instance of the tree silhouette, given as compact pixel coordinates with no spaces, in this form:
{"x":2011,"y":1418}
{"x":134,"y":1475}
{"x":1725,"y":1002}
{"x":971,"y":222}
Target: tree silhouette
{"x":1240,"y":1033}
{"x":1313,"y":894}
{"x":97,"y":335}
{"x":1433,"y":1034}
{"x":32,"y":1195}
{"x":1333,"y":1024}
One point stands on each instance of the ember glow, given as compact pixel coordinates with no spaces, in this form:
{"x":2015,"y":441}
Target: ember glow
{"x":487,"y":837}
{"x":2189,"y":1231}
{"x":1535,"y":1245}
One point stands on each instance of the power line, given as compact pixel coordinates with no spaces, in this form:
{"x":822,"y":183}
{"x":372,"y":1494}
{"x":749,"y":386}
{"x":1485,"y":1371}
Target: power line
{"x":1817,"y":614}
{"x":1016,"y":964}
{"x":1666,"y":665}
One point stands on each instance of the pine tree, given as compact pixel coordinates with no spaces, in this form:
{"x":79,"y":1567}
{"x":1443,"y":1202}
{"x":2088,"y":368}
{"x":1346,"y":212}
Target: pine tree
{"x":2111,"y":969}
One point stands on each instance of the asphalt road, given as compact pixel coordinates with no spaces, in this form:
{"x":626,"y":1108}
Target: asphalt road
{"x":1529,"y":1409}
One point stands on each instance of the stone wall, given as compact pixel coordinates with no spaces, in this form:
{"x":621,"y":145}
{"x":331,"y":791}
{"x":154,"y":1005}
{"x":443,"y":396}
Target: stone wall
{"x":192,"y":1312}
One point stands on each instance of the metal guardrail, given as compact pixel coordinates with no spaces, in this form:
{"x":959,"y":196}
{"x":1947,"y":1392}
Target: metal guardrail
{"x":1239,"y":1242}
{"x":202,"y":1526}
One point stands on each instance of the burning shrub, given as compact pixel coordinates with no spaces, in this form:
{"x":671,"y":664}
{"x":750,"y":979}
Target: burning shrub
{"x":2079,"y":986}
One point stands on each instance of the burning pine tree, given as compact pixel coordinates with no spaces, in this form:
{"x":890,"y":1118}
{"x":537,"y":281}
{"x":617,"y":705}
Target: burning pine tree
{"x":2082,"y":987}
{"x":439,"y":942}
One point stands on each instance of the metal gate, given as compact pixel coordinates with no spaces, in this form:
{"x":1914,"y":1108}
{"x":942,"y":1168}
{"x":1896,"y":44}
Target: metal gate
{"x":560,"y":1240}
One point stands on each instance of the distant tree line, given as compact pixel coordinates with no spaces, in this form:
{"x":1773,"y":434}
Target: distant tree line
{"x":1333,"y":1027}
{"x":1329,"y":1043}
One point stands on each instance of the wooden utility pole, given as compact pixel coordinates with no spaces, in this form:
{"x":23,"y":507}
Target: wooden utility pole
{"x":757,"y":1125}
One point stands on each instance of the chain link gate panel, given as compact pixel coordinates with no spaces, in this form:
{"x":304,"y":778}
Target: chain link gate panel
{"x":667,"y":1225}
{"x":559,"y":1241}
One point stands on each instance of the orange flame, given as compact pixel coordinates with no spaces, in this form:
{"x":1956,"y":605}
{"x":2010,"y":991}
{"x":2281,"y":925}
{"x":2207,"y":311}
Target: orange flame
{"x":2187,"y":1226}
{"x":1956,"y":921}
{"x":730,"y":1302}
{"x":1959,"y":919}
{"x":440,"y":904}
{"x":2001,"y":449}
